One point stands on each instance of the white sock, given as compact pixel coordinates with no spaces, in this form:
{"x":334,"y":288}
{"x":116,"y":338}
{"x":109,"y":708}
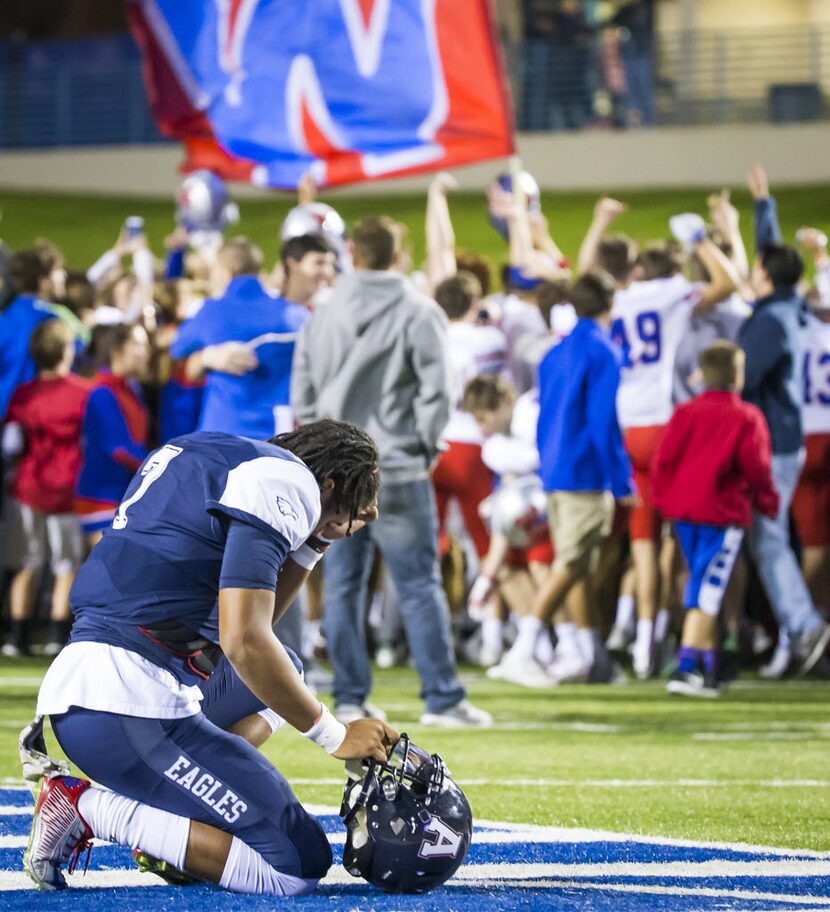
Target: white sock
{"x":585,"y":644}
{"x":661,"y":625}
{"x":783,"y":640}
{"x":139,"y":826}
{"x":246,"y":871}
{"x":543,"y":651}
{"x":529,"y":627}
{"x":566,"y":638}
{"x":625,"y":613}
{"x":645,"y":633}
{"x":492,"y":633}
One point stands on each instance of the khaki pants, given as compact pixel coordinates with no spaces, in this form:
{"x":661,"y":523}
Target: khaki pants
{"x":579,"y":521}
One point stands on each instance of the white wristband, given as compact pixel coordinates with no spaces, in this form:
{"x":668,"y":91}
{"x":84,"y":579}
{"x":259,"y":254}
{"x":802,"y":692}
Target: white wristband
{"x":310,"y":551}
{"x":326,"y":731}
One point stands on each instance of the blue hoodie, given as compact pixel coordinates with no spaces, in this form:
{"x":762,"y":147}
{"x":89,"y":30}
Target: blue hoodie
{"x":579,"y":437}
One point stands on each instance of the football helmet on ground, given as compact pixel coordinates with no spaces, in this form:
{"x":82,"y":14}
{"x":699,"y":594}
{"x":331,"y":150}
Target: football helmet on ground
{"x":408,"y":823}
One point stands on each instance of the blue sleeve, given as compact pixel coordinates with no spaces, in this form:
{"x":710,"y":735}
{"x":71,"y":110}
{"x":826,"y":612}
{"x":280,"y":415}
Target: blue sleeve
{"x":603,"y":425}
{"x":252,"y":557}
{"x":194,"y":334}
{"x":767,"y":229}
{"x":105,"y":424}
{"x":174,"y":265}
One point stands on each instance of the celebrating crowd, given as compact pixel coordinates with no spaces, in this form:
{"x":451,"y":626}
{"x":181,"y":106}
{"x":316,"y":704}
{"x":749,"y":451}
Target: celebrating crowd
{"x":595,"y":464}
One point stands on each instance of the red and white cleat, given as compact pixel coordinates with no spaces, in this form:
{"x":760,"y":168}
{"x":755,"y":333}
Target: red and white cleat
{"x":59,"y":833}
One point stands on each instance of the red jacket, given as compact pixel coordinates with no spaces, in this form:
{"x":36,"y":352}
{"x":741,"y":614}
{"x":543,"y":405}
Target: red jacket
{"x":49,"y":413}
{"x":713,"y":463}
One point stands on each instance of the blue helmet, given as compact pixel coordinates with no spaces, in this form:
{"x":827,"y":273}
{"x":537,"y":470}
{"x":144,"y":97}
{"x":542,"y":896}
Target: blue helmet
{"x":408,"y":823}
{"x":202,"y":203}
{"x":532,"y":195}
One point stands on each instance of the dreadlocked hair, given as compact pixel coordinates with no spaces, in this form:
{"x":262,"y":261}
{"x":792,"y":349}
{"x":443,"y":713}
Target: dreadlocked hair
{"x":342,"y":452}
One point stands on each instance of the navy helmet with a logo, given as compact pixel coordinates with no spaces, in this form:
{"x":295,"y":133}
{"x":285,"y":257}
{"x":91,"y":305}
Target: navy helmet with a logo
{"x":408,"y":823}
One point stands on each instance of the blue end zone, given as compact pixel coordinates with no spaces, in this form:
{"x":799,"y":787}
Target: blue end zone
{"x":507,"y":869}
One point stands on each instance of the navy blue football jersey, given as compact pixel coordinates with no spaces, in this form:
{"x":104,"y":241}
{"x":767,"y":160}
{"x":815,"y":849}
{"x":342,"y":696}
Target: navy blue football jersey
{"x":164,"y":558}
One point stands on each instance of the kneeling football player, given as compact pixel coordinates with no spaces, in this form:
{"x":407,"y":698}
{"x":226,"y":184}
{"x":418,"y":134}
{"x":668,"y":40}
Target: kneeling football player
{"x":210,"y":527}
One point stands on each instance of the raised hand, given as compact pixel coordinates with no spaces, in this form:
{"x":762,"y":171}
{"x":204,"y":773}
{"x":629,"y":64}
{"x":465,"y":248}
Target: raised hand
{"x":608,"y":208}
{"x":757,"y":182}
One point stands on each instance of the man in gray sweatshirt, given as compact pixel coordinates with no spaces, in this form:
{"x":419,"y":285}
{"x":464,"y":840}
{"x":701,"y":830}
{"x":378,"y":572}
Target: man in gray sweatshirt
{"x":375,"y":355}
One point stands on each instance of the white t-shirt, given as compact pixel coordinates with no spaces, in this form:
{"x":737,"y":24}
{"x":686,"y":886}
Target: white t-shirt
{"x":516,"y":454}
{"x":648,"y":321}
{"x":816,"y":414}
{"x":473,"y":349}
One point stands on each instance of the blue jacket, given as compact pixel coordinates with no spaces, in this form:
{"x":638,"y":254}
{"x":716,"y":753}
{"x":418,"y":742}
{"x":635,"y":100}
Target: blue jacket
{"x":245,"y":313}
{"x":579,"y":437}
{"x":773,"y":340}
{"x":17,"y":322}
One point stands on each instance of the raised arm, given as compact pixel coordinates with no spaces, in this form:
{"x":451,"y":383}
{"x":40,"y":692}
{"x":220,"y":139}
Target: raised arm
{"x":726,"y":218}
{"x":440,"y":235}
{"x":767,"y":229}
{"x":605,"y":211}
{"x":723,"y":276}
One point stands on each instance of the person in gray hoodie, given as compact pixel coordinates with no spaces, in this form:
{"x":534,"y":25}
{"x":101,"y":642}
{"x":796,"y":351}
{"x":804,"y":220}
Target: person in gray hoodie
{"x":375,"y":355}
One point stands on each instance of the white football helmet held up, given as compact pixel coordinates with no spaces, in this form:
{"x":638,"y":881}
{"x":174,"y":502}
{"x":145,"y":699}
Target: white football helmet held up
{"x":322,"y":219}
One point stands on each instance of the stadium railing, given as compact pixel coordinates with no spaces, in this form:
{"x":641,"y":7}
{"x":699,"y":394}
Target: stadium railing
{"x":90,"y":92}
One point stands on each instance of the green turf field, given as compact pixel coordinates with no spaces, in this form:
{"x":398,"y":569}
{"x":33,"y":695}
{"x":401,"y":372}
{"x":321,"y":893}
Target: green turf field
{"x":86,"y":226}
{"x":752,"y":767}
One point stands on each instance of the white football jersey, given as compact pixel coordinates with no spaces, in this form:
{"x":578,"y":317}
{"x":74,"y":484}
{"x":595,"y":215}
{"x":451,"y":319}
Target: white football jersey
{"x":816,"y":414}
{"x":473,"y":349}
{"x":516,"y":454}
{"x":520,"y":319}
{"x":648,"y":321}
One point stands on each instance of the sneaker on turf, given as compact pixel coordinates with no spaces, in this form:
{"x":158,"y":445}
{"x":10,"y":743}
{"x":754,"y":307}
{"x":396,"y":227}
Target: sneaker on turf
{"x":147,"y":864}
{"x":462,"y":715}
{"x":778,"y":665}
{"x":522,"y":670}
{"x":59,"y":834}
{"x":10,"y":651}
{"x":692,"y":684}
{"x":489,"y":655}
{"x":810,"y":647}
{"x":568,"y":669}
{"x":619,"y":639}
{"x":351,"y":712}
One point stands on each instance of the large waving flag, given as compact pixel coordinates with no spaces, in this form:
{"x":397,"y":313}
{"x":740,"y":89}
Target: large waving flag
{"x":348,"y":90}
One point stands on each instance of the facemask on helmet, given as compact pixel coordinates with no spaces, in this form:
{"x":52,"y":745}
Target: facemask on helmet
{"x":408,"y":824}
{"x":202,"y":204}
{"x":533,"y":198}
{"x":320,"y":219}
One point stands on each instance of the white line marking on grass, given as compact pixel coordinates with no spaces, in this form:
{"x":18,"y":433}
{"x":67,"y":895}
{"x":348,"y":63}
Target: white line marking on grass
{"x":750,"y":895}
{"x":761,"y":736}
{"x":13,"y":842}
{"x":613,"y":783}
{"x":34,"y":683}
{"x":582,"y":834}
{"x":118,"y":877}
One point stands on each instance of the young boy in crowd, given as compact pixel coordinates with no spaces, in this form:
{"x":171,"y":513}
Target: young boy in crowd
{"x":43,"y":433}
{"x":711,"y":467}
